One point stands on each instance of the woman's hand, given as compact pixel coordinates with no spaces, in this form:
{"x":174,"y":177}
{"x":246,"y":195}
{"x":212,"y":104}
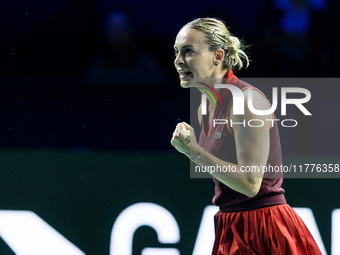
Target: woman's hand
{"x":184,"y":138}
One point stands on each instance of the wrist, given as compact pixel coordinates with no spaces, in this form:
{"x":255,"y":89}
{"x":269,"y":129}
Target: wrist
{"x":196,"y":154}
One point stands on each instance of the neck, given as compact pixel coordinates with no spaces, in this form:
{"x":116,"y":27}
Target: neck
{"x":209,"y":89}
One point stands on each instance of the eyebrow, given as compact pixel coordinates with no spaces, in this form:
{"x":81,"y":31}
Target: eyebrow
{"x":186,"y":46}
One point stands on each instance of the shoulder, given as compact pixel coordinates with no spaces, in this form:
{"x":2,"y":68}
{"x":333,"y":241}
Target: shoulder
{"x":255,"y":108}
{"x":254,"y":97}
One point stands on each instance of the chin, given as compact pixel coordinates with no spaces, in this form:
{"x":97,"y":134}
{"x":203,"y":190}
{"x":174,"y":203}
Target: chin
{"x":185,"y":84}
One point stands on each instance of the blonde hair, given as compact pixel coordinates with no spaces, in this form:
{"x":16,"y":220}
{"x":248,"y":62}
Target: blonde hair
{"x":218,"y":36}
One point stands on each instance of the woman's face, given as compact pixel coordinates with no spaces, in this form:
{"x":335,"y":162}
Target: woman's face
{"x":193,"y":57}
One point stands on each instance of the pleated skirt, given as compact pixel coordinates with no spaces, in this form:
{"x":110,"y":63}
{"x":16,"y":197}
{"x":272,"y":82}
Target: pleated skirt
{"x":274,"y":230}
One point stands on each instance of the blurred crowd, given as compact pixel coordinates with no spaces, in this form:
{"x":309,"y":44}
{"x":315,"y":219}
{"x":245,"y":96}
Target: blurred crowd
{"x":109,"y":44}
{"x":66,"y":67}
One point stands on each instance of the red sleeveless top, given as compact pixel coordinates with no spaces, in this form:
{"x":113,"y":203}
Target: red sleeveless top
{"x":220,"y":142}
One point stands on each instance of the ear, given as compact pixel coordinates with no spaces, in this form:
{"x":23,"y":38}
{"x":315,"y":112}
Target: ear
{"x":219,"y":56}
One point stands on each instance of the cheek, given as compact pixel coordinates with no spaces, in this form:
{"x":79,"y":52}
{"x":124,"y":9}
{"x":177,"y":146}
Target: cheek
{"x":205,"y":63}
{"x":202,"y":68}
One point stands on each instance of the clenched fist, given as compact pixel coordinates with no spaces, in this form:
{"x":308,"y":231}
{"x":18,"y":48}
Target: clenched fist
{"x":183,"y":137}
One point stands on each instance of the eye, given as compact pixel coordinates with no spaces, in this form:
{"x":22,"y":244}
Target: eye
{"x":185,"y":52}
{"x":189,"y":51}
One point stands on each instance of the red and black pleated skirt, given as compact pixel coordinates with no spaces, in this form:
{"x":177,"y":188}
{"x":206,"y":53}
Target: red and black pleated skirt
{"x":270,"y":230}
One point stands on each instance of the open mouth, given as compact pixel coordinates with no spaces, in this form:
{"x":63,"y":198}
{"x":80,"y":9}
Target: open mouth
{"x":184,"y":75}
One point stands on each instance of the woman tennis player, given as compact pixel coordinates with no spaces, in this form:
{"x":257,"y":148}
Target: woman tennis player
{"x":253,"y":216}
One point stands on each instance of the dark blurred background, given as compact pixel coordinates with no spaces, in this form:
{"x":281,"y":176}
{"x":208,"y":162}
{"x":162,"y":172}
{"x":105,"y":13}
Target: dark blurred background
{"x":97,"y":76}
{"x":82,"y":73}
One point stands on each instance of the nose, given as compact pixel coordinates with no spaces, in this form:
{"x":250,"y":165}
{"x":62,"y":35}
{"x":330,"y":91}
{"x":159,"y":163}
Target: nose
{"x":179,"y":60}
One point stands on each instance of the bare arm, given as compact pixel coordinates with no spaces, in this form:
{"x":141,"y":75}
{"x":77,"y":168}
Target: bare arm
{"x":252,"y":148}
